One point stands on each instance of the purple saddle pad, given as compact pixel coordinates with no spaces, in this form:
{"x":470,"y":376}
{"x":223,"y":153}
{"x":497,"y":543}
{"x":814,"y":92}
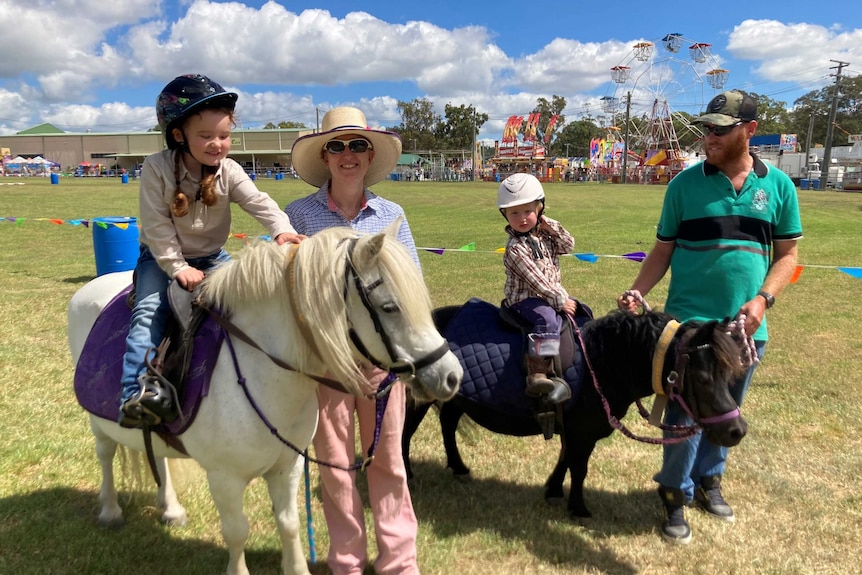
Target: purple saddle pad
{"x":97,"y":375}
{"x":492,"y":356}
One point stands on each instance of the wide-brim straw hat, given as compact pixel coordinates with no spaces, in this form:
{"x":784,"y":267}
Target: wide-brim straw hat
{"x":307,"y":151}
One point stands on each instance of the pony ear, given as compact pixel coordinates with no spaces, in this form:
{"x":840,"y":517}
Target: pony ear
{"x":368,"y":248}
{"x":392,"y":229}
{"x":371,"y":246}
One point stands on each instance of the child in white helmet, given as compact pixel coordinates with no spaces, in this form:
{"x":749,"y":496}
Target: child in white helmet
{"x":533,"y":287}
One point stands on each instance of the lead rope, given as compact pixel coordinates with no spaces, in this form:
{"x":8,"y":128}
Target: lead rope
{"x":636,"y":295}
{"x":379,"y":411}
{"x":747,"y":348}
{"x":381,"y":406}
{"x":312,"y":551}
{"x":680,"y":435}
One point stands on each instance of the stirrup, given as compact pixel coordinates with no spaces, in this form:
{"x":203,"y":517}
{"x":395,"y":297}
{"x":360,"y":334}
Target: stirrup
{"x":547,"y":421}
{"x":561,"y":392}
{"x":135,"y":413}
{"x":156,"y":403}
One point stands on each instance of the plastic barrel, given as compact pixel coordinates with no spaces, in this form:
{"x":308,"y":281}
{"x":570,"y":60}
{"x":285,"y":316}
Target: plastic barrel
{"x":55,"y":178}
{"x":125,"y":178}
{"x":116,"y":248}
{"x":803,"y":183}
{"x":815,"y":184}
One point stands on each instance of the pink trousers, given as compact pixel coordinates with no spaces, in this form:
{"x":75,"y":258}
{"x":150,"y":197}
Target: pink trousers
{"x":395,"y":523}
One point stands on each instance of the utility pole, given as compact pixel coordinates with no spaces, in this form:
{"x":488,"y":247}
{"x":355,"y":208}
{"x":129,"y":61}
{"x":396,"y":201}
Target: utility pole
{"x":626,"y":137}
{"x":830,"y":127}
{"x":808,"y":144}
{"x":475,"y":166}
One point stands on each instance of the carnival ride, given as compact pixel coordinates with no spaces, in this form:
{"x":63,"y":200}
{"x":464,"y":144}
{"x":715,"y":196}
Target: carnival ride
{"x":654,"y":92}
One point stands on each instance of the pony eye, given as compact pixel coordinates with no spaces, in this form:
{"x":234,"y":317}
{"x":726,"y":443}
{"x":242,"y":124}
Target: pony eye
{"x":390,"y":307}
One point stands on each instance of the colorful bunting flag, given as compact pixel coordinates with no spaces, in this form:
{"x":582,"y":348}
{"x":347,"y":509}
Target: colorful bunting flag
{"x":855,"y":272}
{"x":588,"y":257}
{"x":796,"y":273}
{"x":635,"y":256}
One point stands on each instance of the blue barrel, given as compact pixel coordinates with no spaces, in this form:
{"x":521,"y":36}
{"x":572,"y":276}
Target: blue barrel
{"x":815,"y":184}
{"x":803,"y":183}
{"x":116,"y":248}
{"x":253,"y":176}
{"x":55,"y":178}
{"x":125,"y":178}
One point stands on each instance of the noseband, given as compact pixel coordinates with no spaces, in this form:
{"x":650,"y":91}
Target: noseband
{"x":676,"y":378}
{"x":404,"y":367}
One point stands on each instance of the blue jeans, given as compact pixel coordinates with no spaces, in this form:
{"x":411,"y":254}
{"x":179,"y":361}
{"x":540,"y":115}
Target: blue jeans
{"x":151,"y":313}
{"x":546,"y":322}
{"x":685,"y":463}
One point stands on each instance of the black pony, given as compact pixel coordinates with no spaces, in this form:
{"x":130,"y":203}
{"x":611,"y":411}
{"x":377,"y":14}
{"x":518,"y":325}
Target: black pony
{"x":701,"y":362}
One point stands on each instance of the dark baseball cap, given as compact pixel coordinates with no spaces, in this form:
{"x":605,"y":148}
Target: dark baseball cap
{"x":729,"y":108}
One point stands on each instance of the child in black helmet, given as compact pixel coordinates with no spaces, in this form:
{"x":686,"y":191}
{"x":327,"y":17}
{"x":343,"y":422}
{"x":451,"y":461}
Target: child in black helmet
{"x":533,"y":287}
{"x":184,"y":206}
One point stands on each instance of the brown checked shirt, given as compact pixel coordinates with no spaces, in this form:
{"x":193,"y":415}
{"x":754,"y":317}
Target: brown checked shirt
{"x":533,"y":264}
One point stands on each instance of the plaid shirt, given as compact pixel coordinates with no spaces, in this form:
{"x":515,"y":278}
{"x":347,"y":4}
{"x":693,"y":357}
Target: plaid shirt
{"x":533,"y":264}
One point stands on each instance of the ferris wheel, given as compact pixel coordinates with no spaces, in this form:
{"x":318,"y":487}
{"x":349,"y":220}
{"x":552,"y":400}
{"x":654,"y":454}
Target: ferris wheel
{"x":658,"y":86}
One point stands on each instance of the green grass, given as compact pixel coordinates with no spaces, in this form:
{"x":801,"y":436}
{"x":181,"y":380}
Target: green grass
{"x":793,"y":481}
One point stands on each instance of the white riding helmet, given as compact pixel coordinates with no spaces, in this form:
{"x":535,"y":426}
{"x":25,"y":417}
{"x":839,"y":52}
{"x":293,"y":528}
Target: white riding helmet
{"x":520,"y":189}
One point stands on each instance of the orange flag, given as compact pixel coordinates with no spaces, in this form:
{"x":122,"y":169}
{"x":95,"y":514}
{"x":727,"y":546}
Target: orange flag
{"x":796,"y":273}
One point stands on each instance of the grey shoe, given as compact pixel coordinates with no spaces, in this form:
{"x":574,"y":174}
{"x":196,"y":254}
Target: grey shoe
{"x":675,"y":528}
{"x":708,"y":497}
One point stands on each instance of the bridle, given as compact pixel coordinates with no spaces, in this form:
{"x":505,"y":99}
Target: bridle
{"x":399,"y":368}
{"x":675,"y":379}
{"x":405,"y":368}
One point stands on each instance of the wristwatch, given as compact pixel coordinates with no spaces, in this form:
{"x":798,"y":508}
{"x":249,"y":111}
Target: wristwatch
{"x":770,"y":299}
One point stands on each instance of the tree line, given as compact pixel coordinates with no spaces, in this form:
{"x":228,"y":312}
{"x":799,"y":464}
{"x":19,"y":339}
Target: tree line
{"x":421,"y":128}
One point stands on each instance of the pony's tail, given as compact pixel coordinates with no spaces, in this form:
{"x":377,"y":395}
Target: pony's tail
{"x":132,"y":468}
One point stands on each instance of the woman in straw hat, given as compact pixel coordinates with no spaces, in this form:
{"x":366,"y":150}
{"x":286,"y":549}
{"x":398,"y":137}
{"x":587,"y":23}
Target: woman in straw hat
{"x":342,"y":161}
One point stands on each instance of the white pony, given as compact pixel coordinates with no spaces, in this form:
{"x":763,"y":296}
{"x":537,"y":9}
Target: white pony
{"x":336,"y":299}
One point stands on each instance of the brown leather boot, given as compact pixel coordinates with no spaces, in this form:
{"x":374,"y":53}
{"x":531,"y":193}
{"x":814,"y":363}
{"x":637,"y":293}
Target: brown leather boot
{"x":538,"y":384}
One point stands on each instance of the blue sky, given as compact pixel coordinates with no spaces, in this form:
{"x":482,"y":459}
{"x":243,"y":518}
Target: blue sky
{"x":98,"y":66}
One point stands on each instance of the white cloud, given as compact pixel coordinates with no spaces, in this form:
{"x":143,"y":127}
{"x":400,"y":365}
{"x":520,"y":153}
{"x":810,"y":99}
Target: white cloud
{"x":799,"y":52}
{"x":81,"y":53}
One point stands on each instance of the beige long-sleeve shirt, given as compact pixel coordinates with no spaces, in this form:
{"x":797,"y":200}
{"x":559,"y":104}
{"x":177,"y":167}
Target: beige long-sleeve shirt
{"x":204,"y":229}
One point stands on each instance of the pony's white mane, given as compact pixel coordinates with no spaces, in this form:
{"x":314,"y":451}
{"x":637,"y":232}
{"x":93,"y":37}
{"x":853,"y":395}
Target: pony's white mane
{"x":257,"y":273}
{"x":315,"y":283}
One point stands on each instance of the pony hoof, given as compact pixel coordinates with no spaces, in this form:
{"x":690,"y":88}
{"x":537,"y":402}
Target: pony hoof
{"x":114,"y":524}
{"x":582,"y":518}
{"x":179,"y":521}
{"x":463,"y":477}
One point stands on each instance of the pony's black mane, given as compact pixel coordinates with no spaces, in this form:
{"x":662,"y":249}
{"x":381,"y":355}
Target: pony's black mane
{"x":621,"y":346}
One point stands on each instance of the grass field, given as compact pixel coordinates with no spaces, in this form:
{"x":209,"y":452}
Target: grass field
{"x":794,"y":481}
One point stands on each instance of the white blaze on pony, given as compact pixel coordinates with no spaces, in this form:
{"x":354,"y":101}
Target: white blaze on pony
{"x":269,"y":290}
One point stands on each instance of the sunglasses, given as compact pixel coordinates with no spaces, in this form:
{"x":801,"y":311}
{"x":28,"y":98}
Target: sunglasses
{"x":721,"y":130}
{"x":355,"y":146}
